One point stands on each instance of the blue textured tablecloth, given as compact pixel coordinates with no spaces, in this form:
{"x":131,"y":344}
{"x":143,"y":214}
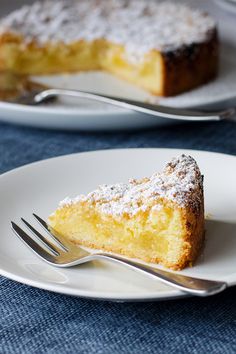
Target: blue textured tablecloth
{"x":37,"y":321}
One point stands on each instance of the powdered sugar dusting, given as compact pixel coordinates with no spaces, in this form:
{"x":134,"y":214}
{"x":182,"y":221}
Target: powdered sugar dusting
{"x":180,"y":182}
{"x":139,"y":25}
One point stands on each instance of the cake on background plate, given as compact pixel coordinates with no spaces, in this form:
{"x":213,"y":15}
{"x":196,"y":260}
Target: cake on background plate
{"x":158,"y":219}
{"x":164,"y":47}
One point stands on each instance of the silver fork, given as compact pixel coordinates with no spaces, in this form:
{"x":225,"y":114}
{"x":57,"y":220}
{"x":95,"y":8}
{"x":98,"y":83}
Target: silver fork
{"x":60,"y":252}
{"x":43,"y":96}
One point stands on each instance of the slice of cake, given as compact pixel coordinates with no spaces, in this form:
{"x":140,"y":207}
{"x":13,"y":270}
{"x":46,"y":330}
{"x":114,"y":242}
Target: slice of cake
{"x":158,"y":219}
{"x":164,"y":47}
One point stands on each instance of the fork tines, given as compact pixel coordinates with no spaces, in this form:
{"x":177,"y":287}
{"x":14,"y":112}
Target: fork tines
{"x":50,"y":249}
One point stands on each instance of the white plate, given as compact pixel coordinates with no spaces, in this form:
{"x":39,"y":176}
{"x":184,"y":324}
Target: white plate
{"x":88,"y":115}
{"x":40,"y":186}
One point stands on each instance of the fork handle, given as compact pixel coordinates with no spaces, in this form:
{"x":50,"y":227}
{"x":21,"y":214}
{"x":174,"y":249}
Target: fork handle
{"x":190,"y":285}
{"x":142,"y":107}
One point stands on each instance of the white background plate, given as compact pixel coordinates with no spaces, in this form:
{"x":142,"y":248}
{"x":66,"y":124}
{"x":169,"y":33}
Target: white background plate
{"x":88,"y":115}
{"x":40,"y":186}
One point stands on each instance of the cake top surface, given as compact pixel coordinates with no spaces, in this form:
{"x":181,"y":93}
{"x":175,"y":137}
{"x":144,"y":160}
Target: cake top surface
{"x":180,"y":182}
{"x":139,"y":25}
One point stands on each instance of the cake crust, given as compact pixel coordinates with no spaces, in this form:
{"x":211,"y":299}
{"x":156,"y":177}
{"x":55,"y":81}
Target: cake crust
{"x":197,"y":64}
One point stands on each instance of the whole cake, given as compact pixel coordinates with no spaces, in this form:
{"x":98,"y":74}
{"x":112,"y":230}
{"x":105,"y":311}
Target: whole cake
{"x":158,"y":219}
{"x":164,"y":47}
